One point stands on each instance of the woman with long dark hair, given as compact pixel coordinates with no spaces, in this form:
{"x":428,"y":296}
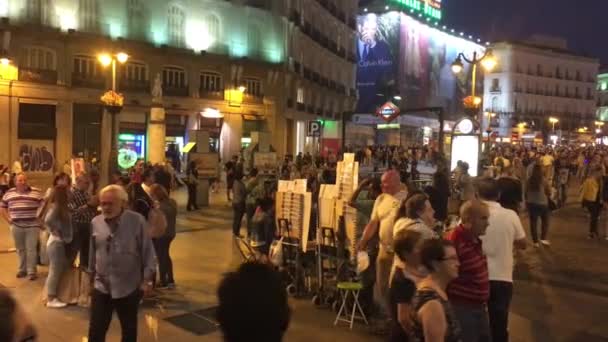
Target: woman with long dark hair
{"x":59,"y":222}
{"x":162,"y":244}
{"x":538,"y":191}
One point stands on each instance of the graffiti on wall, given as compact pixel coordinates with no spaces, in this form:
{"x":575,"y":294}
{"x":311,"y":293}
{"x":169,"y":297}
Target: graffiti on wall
{"x":36,"y":156}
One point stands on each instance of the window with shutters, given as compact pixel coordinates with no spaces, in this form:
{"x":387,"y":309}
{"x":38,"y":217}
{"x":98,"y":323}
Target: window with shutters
{"x":38,"y":58}
{"x":135,"y":71}
{"x":174,"y":77}
{"x":86,"y":66}
{"x":176,"y":25}
{"x":253,"y":87}
{"x":211,"y":82}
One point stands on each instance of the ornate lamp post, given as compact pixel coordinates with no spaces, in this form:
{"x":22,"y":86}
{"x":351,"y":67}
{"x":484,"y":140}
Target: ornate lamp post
{"x":113,"y":103}
{"x":472,"y":103}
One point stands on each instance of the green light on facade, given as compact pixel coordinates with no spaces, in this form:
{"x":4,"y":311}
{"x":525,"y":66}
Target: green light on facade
{"x":422,"y":6}
{"x":603,"y":86}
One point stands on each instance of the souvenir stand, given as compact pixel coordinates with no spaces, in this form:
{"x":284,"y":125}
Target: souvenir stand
{"x":336,"y":242}
{"x":293,"y":209}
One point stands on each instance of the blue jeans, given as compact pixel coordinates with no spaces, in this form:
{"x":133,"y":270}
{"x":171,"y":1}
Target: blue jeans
{"x":58,"y":262}
{"x":474,"y":323}
{"x":26,"y":241}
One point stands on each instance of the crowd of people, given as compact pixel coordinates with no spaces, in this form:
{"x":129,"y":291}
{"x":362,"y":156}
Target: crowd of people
{"x":442,"y":250}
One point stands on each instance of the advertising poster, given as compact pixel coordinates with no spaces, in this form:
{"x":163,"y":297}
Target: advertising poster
{"x":413,"y":59}
{"x":131,"y":147}
{"x":78,"y":167}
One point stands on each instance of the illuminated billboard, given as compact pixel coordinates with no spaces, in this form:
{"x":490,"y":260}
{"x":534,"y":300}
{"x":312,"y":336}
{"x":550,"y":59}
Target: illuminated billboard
{"x":400,"y":55}
{"x":428,"y":8}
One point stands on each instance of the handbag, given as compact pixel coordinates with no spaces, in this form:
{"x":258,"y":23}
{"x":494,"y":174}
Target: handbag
{"x":157,"y":223}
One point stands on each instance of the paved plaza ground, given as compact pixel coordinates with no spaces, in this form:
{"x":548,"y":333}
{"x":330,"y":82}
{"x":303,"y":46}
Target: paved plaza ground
{"x":560,"y":294}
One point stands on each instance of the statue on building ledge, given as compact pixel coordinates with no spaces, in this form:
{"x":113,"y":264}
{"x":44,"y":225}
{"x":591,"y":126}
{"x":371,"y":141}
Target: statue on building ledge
{"x":157,"y":90}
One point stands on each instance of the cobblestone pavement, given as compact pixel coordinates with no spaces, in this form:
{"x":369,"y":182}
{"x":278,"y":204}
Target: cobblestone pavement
{"x":560,"y":294}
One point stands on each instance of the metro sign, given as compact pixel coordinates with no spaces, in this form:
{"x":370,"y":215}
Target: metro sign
{"x":388,"y":111}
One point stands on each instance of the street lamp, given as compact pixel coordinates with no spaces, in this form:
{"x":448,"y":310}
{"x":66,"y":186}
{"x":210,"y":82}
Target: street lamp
{"x":110,"y":60}
{"x":553,"y":121}
{"x":488,"y":61}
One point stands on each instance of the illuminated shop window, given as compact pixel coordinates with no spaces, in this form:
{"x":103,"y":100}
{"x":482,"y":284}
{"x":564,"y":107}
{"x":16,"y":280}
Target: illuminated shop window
{"x":300,"y":95}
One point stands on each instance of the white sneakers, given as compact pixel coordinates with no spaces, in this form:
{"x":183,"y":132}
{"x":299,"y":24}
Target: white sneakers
{"x":55,"y":304}
{"x":545,"y":242}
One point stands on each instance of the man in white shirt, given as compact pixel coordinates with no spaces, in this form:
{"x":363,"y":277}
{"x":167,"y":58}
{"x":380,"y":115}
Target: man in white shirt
{"x":504,"y":232}
{"x":381,"y":223}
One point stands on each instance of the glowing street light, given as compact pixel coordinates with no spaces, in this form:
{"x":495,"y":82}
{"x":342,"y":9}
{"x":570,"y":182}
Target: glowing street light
{"x":488,"y":61}
{"x":553,"y":121}
{"x":457,"y":66}
{"x":106,"y":60}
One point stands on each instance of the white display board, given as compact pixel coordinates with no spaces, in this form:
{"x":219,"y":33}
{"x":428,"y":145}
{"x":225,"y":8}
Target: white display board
{"x":466,"y":148}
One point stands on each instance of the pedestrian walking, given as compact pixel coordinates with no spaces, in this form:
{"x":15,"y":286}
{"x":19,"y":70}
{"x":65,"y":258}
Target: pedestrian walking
{"x":19,"y":207}
{"x":239,"y":194}
{"x":192,"y":183}
{"x":118,"y":234}
{"x":538,"y":192}
{"x":470,"y":291}
{"x":434,"y":317}
{"x":591,"y":196}
{"x":504,"y":232}
{"x":58,"y":220}
{"x":251,"y":200}
{"x":162,"y":245}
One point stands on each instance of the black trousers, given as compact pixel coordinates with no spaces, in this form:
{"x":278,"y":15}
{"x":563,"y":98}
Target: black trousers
{"x":238,"y":210}
{"x":191,"y":197}
{"x":498,"y":309}
{"x":536,"y":211}
{"x":249,"y":212}
{"x":165,"y":264}
{"x":102,"y":308}
{"x":595,"y":209}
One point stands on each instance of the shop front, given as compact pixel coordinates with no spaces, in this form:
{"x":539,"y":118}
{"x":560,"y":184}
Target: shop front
{"x":132,"y":138}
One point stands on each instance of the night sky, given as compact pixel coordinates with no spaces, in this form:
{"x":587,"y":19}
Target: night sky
{"x":581,"y":24}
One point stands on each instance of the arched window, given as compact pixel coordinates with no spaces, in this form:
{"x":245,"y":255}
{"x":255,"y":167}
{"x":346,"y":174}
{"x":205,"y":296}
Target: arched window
{"x":88,"y":14}
{"x":253,"y":39}
{"x":213,"y":26}
{"x":176,"y":25}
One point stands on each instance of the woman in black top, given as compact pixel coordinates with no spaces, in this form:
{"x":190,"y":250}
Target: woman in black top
{"x":191,"y":183}
{"x":434,"y":319}
{"x":403,"y":284}
{"x":139,"y":200}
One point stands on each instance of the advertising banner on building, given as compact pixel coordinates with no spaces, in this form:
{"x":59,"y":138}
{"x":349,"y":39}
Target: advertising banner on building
{"x":37,"y":155}
{"x":398,"y":55}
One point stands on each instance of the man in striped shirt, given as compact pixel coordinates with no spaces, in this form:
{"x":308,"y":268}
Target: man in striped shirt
{"x":19,"y":207}
{"x":469,"y":293}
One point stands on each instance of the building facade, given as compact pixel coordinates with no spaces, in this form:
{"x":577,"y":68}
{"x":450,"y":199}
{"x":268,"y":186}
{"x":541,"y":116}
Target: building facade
{"x":602,"y":96}
{"x":537,"y":80}
{"x":265,"y":65}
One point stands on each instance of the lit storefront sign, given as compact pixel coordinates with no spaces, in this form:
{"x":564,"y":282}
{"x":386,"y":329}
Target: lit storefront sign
{"x":428,"y":8}
{"x":130,"y":149}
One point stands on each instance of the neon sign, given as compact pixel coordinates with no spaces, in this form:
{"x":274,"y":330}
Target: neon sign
{"x":429,"y":8}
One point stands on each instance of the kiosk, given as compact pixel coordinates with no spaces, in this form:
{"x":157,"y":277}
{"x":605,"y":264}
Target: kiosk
{"x":466,"y":145}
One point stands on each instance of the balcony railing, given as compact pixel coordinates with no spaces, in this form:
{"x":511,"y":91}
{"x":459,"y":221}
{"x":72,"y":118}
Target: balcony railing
{"x":176,"y":91}
{"x":38,"y":75}
{"x":495,"y":89}
{"x":214,"y":94}
{"x":88,"y":81}
{"x":140,"y":86}
{"x":300,"y":107}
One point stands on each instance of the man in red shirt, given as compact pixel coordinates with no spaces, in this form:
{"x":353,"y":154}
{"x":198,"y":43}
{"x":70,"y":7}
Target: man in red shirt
{"x":469,"y":292}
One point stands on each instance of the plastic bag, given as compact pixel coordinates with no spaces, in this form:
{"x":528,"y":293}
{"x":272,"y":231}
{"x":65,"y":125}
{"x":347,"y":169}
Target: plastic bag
{"x":362,"y":261}
{"x":276,"y":252}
